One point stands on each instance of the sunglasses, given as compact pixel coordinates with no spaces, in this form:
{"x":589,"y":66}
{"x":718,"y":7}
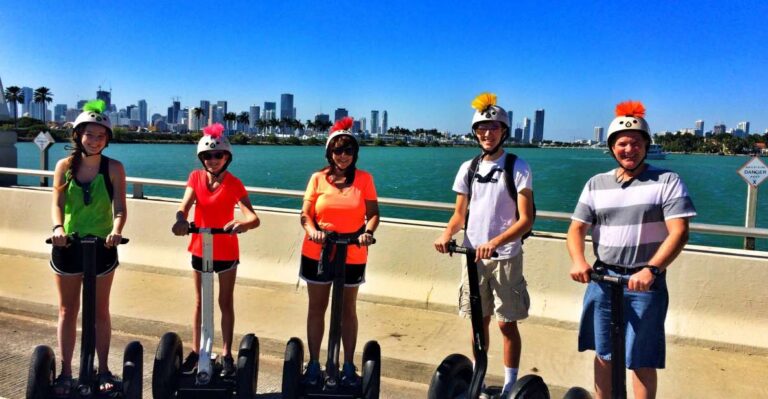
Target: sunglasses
{"x":211,"y":155}
{"x":343,"y":150}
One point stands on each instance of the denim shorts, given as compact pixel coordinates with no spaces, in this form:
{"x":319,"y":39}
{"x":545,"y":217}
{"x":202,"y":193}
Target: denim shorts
{"x":644,"y":315}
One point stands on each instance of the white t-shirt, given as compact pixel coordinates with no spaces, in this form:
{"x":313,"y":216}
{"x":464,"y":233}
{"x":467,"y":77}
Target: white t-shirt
{"x":491,"y":209}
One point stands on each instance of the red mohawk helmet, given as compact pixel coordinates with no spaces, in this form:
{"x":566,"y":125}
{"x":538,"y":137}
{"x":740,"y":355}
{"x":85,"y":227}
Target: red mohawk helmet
{"x":342,"y":127}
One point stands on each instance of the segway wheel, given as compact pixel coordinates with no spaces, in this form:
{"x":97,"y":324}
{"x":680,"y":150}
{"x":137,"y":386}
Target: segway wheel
{"x":133,"y":366}
{"x":42,"y":371}
{"x":247,"y":367}
{"x":452,"y":378}
{"x":529,"y":387}
{"x":577,"y":393}
{"x":371,"y":370}
{"x":167,"y":365}
{"x":294,"y":357}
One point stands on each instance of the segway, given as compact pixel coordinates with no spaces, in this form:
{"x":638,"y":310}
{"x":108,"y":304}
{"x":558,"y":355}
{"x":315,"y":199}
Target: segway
{"x":455,"y":377}
{"x":167,"y":379}
{"x":42,"y":369}
{"x":330,"y":386}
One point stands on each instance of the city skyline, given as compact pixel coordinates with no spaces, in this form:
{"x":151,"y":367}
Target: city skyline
{"x":577,"y":67}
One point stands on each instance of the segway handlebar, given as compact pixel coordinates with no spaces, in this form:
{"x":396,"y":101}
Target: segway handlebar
{"x":615,"y":280}
{"x":211,"y":230}
{"x":453,"y":248}
{"x":71,"y":238}
{"x":342,"y":239}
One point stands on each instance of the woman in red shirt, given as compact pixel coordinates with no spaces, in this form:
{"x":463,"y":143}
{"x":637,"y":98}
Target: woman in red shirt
{"x":340,"y":198}
{"x":215,"y":192}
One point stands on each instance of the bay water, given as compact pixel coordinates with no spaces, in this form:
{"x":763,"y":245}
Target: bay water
{"x":427,"y":173}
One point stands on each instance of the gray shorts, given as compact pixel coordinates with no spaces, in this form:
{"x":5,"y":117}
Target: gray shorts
{"x":503,"y":290}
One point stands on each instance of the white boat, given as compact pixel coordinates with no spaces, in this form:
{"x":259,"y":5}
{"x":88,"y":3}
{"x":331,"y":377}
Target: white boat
{"x":656,"y":151}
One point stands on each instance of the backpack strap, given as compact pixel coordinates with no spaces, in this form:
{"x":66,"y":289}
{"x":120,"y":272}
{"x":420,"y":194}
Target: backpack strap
{"x":104,"y":171}
{"x":509,"y":177}
{"x":471,"y":172}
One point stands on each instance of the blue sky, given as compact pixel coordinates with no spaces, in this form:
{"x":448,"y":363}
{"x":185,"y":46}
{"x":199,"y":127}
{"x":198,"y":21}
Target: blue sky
{"x":423,"y":62}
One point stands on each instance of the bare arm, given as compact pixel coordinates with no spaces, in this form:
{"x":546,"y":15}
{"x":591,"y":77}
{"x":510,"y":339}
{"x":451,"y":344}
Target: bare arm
{"x":669,"y":250}
{"x":520,"y":227}
{"x":372,"y":217}
{"x":181,"y":226}
{"x":575,"y":242}
{"x":57,"y":202}
{"x":455,"y":224}
{"x":308,"y":222}
{"x":251,"y":221}
{"x":119,"y":208}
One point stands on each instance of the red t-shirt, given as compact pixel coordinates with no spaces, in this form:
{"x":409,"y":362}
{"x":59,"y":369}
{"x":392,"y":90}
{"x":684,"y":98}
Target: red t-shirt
{"x":214,"y":209}
{"x":342,"y":211}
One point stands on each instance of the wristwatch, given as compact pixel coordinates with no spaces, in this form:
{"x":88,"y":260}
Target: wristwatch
{"x":369,"y":231}
{"x":654,"y":270}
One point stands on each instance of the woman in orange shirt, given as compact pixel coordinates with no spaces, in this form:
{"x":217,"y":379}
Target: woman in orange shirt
{"x":340,"y":198}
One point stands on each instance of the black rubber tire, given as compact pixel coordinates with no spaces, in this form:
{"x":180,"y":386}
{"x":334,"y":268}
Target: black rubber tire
{"x":133,"y":370}
{"x":530,"y":386}
{"x":42,"y":372}
{"x":247,"y":367}
{"x":452,"y":378}
{"x":577,"y":393}
{"x":294,"y":358}
{"x":167,"y":366}
{"x":371,"y":370}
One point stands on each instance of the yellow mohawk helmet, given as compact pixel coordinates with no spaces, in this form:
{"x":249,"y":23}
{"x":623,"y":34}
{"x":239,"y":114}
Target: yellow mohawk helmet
{"x":487,"y":110}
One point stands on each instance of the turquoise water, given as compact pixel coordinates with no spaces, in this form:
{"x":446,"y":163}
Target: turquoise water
{"x":427,"y":174}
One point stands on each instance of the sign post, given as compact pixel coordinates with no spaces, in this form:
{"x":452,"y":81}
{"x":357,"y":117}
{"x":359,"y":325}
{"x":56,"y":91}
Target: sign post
{"x":44,"y":141}
{"x":754,"y":172}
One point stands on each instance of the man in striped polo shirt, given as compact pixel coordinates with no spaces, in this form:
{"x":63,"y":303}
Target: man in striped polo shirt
{"x":639,"y":219}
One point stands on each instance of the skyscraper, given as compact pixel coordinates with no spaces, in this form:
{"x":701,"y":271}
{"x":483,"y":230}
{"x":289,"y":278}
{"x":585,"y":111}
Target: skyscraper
{"x":699,"y":128}
{"x":59,"y":112}
{"x":143,"y":113}
{"x":744,"y":127}
{"x":222,"y":106}
{"x":340,"y":113}
{"x":719,"y":128}
{"x":104,"y":95}
{"x":176,"y":111}
{"x":270,"y":108}
{"x":26,"y":107}
{"x":538,"y":126}
{"x":374,"y":122}
{"x":4,"y":113}
{"x":599,"y":134}
{"x":518,"y":137}
{"x":384,"y":123}
{"x":286,"y":106}
{"x":254,"y":114}
{"x":526,"y":130}
{"x":205,"y":106}
{"x":81,"y":104}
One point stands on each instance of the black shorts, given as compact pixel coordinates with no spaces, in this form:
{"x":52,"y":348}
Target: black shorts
{"x":354,"y":274}
{"x":68,"y":260}
{"x":219,"y":266}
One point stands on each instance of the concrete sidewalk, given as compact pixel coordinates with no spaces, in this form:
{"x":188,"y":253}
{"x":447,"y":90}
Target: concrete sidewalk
{"x":150,"y":301}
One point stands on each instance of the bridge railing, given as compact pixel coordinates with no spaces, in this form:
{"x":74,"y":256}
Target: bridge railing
{"x":138,"y":184}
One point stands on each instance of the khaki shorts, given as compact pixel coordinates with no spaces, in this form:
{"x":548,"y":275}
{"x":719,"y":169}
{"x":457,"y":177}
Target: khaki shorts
{"x":503,"y":290}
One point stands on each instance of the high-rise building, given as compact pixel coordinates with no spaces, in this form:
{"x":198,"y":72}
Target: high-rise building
{"x":340,"y":113}
{"x":699,"y":128}
{"x":129,"y":111}
{"x":356,"y":127}
{"x":526,"y":130}
{"x":171,"y":115}
{"x":71,"y":115}
{"x":538,"y":126}
{"x":4,"y":113}
{"x":81,"y":104}
{"x":744,"y":127}
{"x":26,"y":106}
{"x":205,"y":106}
{"x":106,"y":96}
{"x":254,"y":114}
{"x":363,"y":124}
{"x":599,"y":134}
{"x":384,"y":122}
{"x":286,"y":106}
{"x":324,"y":118}
{"x":143,"y":113}
{"x":222,"y":106}
{"x":270,"y":108}
{"x":59,"y":112}
{"x":719,"y":128}
{"x":518,"y":137}
{"x":374,"y":122}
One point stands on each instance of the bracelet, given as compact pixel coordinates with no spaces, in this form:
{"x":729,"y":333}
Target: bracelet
{"x":369,"y":231}
{"x":56,"y":227}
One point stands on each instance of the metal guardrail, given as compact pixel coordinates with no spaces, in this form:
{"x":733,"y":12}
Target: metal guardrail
{"x":138,"y":184}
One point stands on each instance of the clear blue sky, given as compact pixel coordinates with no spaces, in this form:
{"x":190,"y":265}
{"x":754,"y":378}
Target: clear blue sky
{"x":423,"y":62}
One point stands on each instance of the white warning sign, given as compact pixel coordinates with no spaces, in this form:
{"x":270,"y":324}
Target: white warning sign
{"x":754,"y":171}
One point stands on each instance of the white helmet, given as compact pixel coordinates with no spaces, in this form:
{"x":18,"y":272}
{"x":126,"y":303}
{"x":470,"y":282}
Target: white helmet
{"x":213,"y":140}
{"x":630,"y":116}
{"x":487,"y":110}
{"x":93,"y":112}
{"x":342,"y":127}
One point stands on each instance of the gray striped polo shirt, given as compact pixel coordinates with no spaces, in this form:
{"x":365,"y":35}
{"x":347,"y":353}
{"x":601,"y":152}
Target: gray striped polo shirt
{"x":628,"y":219}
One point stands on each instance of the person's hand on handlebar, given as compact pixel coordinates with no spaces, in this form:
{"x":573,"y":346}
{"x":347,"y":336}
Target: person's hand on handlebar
{"x":580,"y":272}
{"x":113,"y":239}
{"x":365,"y":239}
{"x":316,"y":236}
{"x":180,"y":228}
{"x":59,"y":237}
{"x":485,"y":251}
{"x":641,"y":281}
{"x":235,"y":227}
{"x":441,"y":244}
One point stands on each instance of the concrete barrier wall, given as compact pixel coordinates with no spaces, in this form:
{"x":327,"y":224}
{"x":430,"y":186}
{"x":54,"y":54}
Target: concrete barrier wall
{"x":717,"y":295}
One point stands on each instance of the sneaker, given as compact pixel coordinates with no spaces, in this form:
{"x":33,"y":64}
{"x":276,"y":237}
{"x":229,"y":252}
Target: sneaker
{"x":349,"y":375}
{"x":312,"y":373}
{"x":190,"y":363}
{"x":227,"y":367}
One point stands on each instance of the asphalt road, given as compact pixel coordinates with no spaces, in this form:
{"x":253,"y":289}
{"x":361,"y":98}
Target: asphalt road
{"x":20,"y":335}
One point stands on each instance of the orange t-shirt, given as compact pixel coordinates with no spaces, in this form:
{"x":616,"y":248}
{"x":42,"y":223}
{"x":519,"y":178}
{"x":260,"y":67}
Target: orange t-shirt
{"x":214,"y":209}
{"x":341,"y":211}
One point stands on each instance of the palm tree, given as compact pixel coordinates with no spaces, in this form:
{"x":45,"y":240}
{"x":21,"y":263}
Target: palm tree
{"x":41,"y":96}
{"x":14,"y":96}
{"x":244,"y":119}
{"x":229,"y":117}
{"x":198,"y":112}
{"x":310,"y":125}
{"x":261,"y":124}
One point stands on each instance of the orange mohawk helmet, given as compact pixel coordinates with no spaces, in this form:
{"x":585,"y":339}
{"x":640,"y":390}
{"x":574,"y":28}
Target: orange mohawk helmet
{"x":631,"y":108}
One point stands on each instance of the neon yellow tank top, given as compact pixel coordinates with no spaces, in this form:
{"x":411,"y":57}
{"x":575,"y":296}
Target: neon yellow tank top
{"x":95,"y":218}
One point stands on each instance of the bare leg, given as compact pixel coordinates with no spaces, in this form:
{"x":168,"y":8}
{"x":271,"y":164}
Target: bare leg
{"x":68,"y":288}
{"x":644,"y":383}
{"x":227,"y":306}
{"x":349,"y":323}
{"x":602,"y":378}
{"x":318,"y":303}
{"x":512,"y":343}
{"x":103,"y":320}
